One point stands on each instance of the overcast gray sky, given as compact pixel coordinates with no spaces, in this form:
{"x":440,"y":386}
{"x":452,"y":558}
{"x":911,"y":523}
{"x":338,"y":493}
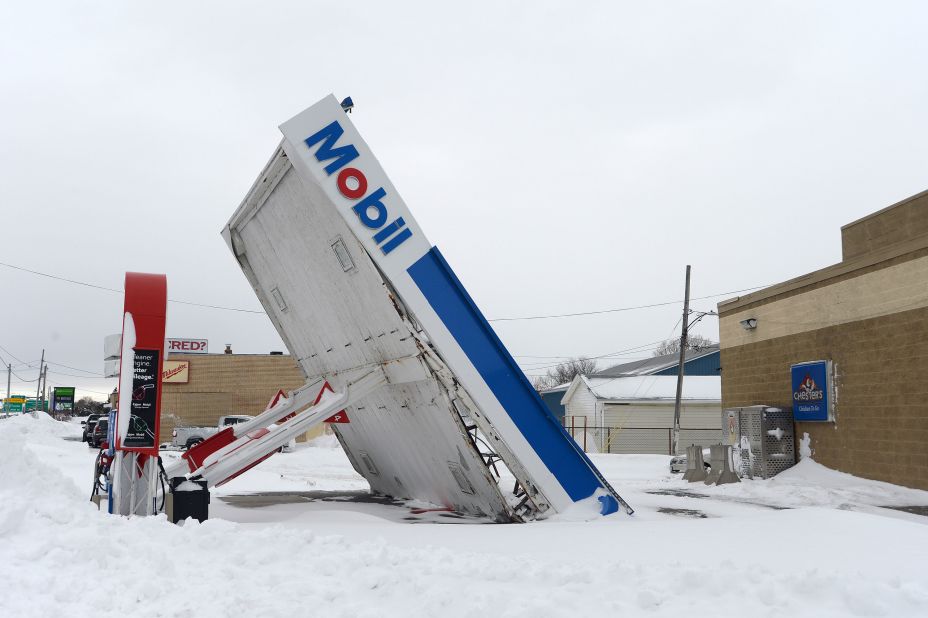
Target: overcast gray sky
{"x":565,"y":157}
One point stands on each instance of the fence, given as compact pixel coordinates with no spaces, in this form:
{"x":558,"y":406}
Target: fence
{"x":635,"y":440}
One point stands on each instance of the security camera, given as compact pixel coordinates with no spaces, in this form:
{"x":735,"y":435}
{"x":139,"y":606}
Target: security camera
{"x":749,"y":324}
{"x":347,"y":105}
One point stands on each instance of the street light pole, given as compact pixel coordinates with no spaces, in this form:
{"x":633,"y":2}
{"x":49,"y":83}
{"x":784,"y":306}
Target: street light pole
{"x":683,"y":334}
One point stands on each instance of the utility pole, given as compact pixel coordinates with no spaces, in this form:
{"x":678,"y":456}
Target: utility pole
{"x":38,"y":387}
{"x":683,"y":334}
{"x":9,"y":372}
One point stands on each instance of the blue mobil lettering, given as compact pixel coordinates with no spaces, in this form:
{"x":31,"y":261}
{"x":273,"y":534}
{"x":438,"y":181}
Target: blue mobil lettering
{"x":352,"y":183}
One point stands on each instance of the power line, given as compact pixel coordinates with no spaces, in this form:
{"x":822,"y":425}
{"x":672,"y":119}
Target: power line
{"x":527,"y":367}
{"x":95,"y":373}
{"x":639,"y":348}
{"x":29,"y":365}
{"x":75,"y":282}
{"x":80,"y":388}
{"x":613,"y":356}
{"x":509,"y":319}
{"x":74,"y":375}
{"x":620,"y":309}
{"x":18,"y":377}
{"x":59,"y":373}
{"x":107,"y":289}
{"x":19,"y":360}
{"x":24,"y":381}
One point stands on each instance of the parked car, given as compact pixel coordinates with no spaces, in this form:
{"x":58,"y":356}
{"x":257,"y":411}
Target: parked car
{"x":88,"y":426}
{"x":98,"y":437}
{"x":186,"y":437}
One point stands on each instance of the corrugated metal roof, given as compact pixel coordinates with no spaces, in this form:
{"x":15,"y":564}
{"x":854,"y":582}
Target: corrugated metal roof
{"x":651,"y":366}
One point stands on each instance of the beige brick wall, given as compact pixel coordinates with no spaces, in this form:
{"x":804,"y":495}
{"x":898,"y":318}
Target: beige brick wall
{"x":899,"y":287}
{"x":225,"y":384}
{"x":896,"y":224}
{"x":881,"y":364}
{"x":869,"y":316}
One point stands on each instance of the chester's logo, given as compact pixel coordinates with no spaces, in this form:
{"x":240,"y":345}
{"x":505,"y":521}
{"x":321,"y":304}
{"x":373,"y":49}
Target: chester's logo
{"x":808,"y":390}
{"x":352,"y":183}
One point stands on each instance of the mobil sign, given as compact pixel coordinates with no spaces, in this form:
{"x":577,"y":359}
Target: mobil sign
{"x":187,"y":346}
{"x":327,"y":152}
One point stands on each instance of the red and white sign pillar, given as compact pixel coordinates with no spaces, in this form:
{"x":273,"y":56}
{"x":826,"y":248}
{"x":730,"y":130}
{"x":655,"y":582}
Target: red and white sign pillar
{"x":138,"y":416}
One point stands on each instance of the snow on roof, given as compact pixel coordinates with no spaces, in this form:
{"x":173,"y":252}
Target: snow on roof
{"x":556,"y":389}
{"x":648,"y":366}
{"x":635,"y":388}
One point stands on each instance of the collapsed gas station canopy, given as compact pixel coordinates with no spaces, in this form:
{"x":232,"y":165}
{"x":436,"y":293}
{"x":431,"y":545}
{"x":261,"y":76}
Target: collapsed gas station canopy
{"x":352,"y":285}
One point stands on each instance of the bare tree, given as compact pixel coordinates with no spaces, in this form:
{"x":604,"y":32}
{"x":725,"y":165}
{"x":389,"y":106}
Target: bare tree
{"x":565,"y":372}
{"x":694,"y":343}
{"x":87,"y":405}
{"x":541,"y":383}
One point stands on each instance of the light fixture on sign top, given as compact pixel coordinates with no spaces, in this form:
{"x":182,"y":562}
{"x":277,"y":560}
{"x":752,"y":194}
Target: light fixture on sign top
{"x":749,"y":324}
{"x":347,"y":105}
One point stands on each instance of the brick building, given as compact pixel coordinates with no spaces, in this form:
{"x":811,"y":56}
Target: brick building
{"x":218,"y":384}
{"x":867,"y":314}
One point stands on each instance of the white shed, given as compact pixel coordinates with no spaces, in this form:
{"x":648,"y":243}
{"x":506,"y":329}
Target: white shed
{"x":635,"y":414}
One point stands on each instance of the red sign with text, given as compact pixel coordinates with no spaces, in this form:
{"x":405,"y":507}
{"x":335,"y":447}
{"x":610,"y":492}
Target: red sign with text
{"x":138,"y":419}
{"x":187,"y":346}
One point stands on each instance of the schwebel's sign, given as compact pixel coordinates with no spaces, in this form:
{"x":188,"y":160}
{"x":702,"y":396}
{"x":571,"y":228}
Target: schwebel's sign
{"x":187,"y":346}
{"x":811,"y":391}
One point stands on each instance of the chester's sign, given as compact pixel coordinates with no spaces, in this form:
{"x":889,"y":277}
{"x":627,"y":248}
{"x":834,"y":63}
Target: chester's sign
{"x":811,"y":396}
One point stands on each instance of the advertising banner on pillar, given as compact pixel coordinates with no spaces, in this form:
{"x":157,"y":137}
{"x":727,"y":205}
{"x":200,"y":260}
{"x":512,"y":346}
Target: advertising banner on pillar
{"x":144,"y":405}
{"x":812,"y":399}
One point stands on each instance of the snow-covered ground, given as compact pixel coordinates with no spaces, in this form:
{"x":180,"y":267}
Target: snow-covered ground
{"x":811,"y":542}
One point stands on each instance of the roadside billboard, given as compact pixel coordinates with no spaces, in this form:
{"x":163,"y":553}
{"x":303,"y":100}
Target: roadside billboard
{"x":187,"y":346}
{"x":63,"y":399}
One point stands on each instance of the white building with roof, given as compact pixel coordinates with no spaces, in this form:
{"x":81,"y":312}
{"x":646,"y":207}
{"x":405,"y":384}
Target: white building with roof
{"x":634,"y":414}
